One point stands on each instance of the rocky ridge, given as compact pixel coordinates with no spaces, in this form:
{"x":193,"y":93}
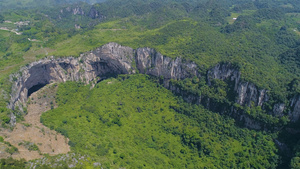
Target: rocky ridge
{"x":113,"y":59}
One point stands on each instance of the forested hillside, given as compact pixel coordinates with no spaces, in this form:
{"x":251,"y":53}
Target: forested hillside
{"x":132,"y":122}
{"x":30,"y":4}
{"x":260,"y":38}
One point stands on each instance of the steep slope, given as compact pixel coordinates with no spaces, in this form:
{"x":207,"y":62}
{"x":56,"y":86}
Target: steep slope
{"x":113,"y":59}
{"x":133,"y":122}
{"x":245,"y":67}
{"x":31,"y":137}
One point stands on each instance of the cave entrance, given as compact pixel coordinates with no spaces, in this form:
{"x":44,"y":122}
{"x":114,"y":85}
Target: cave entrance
{"x":106,"y":70}
{"x":35,"y":88}
{"x":107,"y":76}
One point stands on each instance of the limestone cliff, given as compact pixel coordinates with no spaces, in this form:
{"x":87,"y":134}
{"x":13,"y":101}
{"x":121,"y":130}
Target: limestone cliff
{"x":113,"y":59}
{"x":89,"y":67}
{"x":294,"y":113}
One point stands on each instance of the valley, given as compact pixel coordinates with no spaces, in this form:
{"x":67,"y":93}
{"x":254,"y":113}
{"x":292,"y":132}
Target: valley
{"x":149,"y":84}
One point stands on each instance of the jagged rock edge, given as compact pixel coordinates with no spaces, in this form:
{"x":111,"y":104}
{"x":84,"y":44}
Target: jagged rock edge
{"x":113,"y":59}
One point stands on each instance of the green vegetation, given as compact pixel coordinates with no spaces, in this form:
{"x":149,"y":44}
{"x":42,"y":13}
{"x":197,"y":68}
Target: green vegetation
{"x":12,"y":164}
{"x":1,"y":19}
{"x":254,"y":41}
{"x":30,"y":146}
{"x":25,"y":4}
{"x":221,"y":98}
{"x":263,"y":42}
{"x":132,"y":122}
{"x":10,"y":149}
{"x":192,"y":40}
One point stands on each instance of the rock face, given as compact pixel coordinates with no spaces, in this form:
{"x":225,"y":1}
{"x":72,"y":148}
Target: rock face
{"x":81,"y":10}
{"x":78,"y":11}
{"x":94,"y":14}
{"x":113,"y":59}
{"x":294,"y":113}
{"x":150,"y":62}
{"x":246,"y":92}
{"x":110,"y":59}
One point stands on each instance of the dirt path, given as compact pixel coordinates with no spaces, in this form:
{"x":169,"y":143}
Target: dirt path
{"x":31,"y":131}
{"x":6,"y":29}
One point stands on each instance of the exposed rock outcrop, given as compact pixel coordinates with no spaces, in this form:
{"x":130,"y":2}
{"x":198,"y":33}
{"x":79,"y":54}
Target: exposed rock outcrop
{"x":150,"y":62}
{"x":246,"y":92}
{"x":294,"y":113}
{"x":94,"y":14}
{"x":113,"y":59}
{"x":107,"y":60}
{"x":78,"y":11}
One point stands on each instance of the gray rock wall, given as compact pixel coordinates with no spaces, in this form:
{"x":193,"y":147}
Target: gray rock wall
{"x":294,"y":113}
{"x":113,"y":59}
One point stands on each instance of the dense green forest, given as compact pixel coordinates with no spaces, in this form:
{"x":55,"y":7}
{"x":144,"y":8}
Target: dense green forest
{"x":27,"y":4}
{"x":200,"y":32}
{"x":132,"y":122}
{"x":261,"y":38}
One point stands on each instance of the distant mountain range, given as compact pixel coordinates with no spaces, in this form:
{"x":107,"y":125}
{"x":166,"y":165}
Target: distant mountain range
{"x":26,"y":4}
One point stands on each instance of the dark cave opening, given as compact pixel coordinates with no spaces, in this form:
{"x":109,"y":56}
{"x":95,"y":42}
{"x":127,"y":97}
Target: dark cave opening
{"x":35,"y":88}
{"x":107,"y":76}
